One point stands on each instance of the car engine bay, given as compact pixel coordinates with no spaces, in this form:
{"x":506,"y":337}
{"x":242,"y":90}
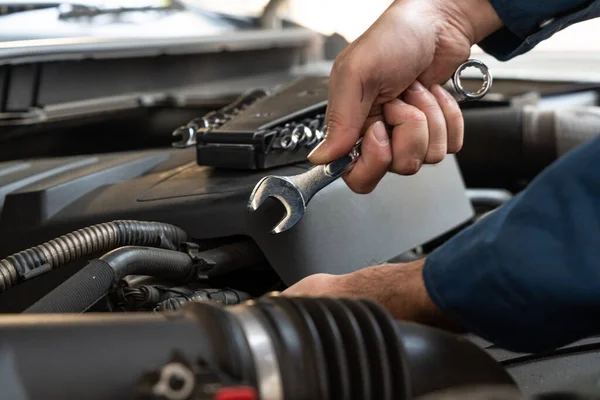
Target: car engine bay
{"x":130,"y":266}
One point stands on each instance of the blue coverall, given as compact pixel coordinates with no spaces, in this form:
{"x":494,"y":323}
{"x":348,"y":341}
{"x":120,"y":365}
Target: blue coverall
{"x":528,"y":276}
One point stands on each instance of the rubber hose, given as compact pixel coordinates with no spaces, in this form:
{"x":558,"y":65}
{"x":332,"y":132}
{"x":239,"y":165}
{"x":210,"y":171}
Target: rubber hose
{"x":84,"y":243}
{"x":495,"y":144}
{"x":99,"y":277}
{"x":294,"y":348}
{"x":511,"y":143}
{"x":229,"y":258}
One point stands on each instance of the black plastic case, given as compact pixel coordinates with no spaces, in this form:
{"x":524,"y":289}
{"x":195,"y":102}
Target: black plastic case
{"x":269,"y":129}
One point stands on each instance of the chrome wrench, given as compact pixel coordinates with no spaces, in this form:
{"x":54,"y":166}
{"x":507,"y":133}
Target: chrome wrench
{"x":294,"y":192}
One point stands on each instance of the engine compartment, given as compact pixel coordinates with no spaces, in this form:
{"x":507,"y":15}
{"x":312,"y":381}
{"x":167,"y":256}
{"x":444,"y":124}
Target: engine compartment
{"x":108,"y":162}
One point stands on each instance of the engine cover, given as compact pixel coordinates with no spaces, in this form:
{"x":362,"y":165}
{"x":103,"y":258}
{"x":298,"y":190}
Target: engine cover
{"x":341,"y":231}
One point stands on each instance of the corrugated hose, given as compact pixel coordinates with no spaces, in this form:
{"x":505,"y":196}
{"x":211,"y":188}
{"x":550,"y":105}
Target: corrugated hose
{"x":84,"y":243}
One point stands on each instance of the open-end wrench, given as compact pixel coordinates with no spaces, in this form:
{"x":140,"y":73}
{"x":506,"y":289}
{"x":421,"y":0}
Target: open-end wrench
{"x":294,"y":192}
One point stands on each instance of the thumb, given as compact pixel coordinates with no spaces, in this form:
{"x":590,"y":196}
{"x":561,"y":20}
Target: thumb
{"x":350,"y":100}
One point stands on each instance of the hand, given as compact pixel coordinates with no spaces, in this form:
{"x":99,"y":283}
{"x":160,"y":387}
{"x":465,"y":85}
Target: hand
{"x":415,"y":46}
{"x":397,"y":287}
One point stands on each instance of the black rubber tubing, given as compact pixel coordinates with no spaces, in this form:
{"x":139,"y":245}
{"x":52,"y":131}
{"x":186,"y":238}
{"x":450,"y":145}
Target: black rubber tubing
{"x":99,"y":277}
{"x":86,"y":242}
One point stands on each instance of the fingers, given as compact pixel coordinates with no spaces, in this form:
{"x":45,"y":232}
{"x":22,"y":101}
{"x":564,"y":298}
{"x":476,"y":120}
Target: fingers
{"x":417,"y":95}
{"x":410,"y":136}
{"x":353,"y":87}
{"x":422,"y":132}
{"x":455,"y":124}
{"x":425,"y":130}
{"x":374,"y":161}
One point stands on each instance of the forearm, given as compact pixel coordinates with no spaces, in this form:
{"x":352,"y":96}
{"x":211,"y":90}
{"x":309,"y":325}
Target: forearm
{"x":399,"y":288}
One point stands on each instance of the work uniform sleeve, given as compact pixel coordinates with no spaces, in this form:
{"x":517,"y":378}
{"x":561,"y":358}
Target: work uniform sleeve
{"x":527,"y":277}
{"x":529,"y":22}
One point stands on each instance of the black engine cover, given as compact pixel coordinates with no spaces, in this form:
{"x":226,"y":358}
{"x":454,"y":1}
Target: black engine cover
{"x":341,"y":231}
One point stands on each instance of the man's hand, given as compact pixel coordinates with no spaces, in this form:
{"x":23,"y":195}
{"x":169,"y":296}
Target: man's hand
{"x":413,"y":47}
{"x":398,"y":287}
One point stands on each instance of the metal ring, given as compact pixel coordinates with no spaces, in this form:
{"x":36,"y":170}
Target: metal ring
{"x":313,"y":137}
{"x":288,"y":141}
{"x":486,"y":76}
{"x":303,"y":133}
{"x":268,"y":374}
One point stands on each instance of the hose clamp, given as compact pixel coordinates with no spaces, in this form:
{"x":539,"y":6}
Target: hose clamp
{"x":270,"y":384}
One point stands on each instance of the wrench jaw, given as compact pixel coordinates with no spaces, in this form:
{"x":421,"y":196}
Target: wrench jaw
{"x":286,"y":192}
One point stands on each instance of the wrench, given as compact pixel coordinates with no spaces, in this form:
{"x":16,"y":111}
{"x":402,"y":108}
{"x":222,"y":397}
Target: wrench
{"x":294,"y":192}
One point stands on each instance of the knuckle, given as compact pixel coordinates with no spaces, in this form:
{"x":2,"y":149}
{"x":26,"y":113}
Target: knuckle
{"x":354,"y":66}
{"x":361,"y":187}
{"x":420,"y":98}
{"x":434,"y":159}
{"x":431,"y":108}
{"x":409,"y":166}
{"x":336,"y":70}
{"x":346,"y":66}
{"x":383,"y":159}
{"x":364,"y":189}
{"x":435,"y":154}
{"x":390,"y":109}
{"x":416,"y":116}
{"x":455,"y":145}
{"x":339,"y":61}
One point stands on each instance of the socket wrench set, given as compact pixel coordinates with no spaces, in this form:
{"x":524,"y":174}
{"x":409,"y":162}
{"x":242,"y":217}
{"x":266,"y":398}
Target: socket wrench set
{"x":261,"y":129}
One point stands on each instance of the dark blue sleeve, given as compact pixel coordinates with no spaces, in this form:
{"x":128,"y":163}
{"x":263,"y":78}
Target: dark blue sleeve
{"x":529,"y":22}
{"x":527,"y":277}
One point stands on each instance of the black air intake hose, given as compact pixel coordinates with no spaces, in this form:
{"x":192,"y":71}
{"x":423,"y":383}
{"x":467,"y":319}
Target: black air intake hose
{"x":519,"y":142}
{"x":99,"y":277}
{"x":285,"y":348}
{"x":86,"y":242}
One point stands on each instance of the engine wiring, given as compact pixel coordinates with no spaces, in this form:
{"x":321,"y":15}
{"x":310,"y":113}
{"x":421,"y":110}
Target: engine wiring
{"x":161,"y":298}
